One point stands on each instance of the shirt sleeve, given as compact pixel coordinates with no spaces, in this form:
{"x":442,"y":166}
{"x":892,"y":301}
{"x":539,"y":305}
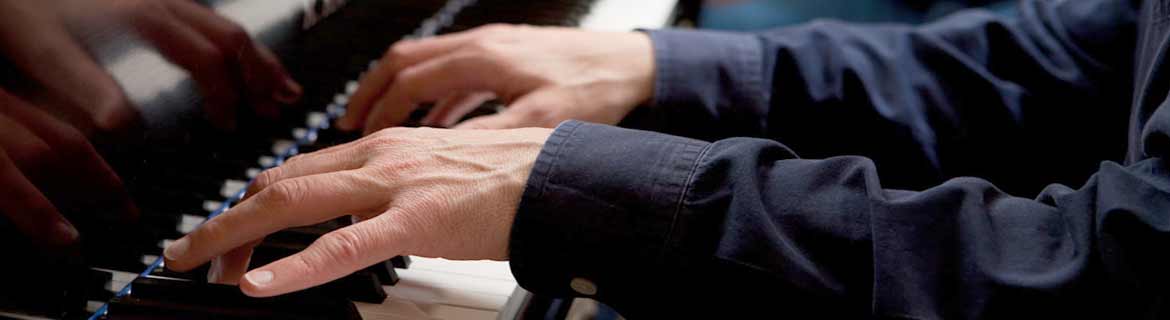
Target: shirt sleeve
{"x":664,"y":226}
{"x":1025,"y":100}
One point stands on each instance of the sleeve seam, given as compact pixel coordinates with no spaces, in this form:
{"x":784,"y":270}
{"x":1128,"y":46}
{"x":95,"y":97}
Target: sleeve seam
{"x":556,"y":155}
{"x":680,"y":203}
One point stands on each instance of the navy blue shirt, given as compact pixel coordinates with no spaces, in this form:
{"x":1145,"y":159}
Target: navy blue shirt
{"x":981,"y":166}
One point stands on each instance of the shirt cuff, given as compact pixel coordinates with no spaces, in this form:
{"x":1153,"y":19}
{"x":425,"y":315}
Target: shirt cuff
{"x":700,"y":75}
{"x":600,"y":204}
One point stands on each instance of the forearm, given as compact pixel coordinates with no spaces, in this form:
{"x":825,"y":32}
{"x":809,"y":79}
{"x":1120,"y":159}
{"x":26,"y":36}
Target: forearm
{"x":653,"y":221}
{"x":968,"y":95}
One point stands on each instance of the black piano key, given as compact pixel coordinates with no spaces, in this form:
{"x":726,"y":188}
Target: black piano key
{"x":364,"y":285}
{"x":401,"y":262}
{"x":196,"y":275}
{"x":152,"y":298}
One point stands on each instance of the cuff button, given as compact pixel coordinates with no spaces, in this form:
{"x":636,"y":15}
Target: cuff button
{"x":583,"y":286}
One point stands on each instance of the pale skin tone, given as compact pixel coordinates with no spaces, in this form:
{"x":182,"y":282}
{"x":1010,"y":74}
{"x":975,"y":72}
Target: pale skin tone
{"x":450,"y":193}
{"x":60,"y":97}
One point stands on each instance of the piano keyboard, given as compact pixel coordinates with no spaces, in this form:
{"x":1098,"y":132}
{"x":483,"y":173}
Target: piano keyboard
{"x":180,"y":186}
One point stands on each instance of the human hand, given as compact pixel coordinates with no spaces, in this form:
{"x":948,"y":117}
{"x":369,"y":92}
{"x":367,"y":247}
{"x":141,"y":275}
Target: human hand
{"x":424,"y":192}
{"x":40,"y":39}
{"x":39,"y":156}
{"x":544,"y":75}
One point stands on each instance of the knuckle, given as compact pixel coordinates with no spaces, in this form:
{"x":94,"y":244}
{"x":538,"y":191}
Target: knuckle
{"x":210,"y":230}
{"x":266,"y":178}
{"x":406,"y":77}
{"x":236,"y":37}
{"x":284,"y":193}
{"x":398,"y":51}
{"x":113,"y":110}
{"x":343,"y":245}
{"x":483,"y":46}
{"x":496,"y":28}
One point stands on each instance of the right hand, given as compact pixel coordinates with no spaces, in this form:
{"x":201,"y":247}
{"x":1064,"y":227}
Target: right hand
{"x":544,"y":75}
{"x":40,"y":38}
{"x":40,"y":155}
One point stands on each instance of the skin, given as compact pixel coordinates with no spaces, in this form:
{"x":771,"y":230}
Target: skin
{"x":423,"y":191}
{"x":39,"y":39}
{"x":544,"y":75}
{"x":60,"y":98}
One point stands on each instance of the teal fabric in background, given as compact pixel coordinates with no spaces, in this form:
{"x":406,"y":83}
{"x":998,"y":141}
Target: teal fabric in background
{"x":763,"y":14}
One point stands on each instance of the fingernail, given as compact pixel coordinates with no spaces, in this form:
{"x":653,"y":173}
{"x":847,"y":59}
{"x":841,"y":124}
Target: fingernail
{"x":177,"y":249}
{"x":259,"y":278}
{"x":66,"y":233}
{"x":289,"y":92}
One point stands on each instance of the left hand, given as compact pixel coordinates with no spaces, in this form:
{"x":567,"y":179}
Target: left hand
{"x":424,"y":192}
{"x":43,"y":39}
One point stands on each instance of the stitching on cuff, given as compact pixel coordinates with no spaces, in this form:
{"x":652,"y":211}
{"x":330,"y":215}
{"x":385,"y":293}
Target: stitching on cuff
{"x":682,"y":198}
{"x":556,"y":155}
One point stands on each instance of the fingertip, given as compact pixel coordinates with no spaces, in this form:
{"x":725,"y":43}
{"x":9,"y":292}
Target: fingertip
{"x":289,"y":92}
{"x":258,"y":283}
{"x":175,"y":252}
{"x":64,"y":234}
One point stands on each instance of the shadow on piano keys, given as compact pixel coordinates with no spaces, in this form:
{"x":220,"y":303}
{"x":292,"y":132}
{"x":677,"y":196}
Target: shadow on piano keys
{"x":183,"y":172}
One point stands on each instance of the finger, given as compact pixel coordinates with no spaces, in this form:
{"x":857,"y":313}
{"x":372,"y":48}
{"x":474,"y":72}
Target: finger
{"x":263,"y":74}
{"x":288,"y":203}
{"x":448,"y":111}
{"x":502,"y":120}
{"x":532,"y":110}
{"x":86,"y":170}
{"x":47,"y":53}
{"x":334,"y":159}
{"x":29,"y":210}
{"x":431,"y":81}
{"x":191,"y":50}
{"x":333,"y":256}
{"x":402,"y":55}
{"x":229,"y":268}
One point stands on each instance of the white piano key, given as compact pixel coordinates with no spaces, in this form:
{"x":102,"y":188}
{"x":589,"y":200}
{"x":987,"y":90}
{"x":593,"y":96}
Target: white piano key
{"x":341,"y":99}
{"x":335,"y":110}
{"x":304,"y":135}
{"x":625,"y":15}
{"x":351,"y":87}
{"x":438,"y":287}
{"x":482,"y":269}
{"x":400,"y":309}
{"x":231,"y":188}
{"x":6,"y":315}
{"x":267,"y":162}
{"x":149,"y":259}
{"x":319,"y":120}
{"x":253,"y":173}
{"x":281,"y":147}
{"x":212,"y":206}
{"x":93,"y":306}
{"x":189,"y":223}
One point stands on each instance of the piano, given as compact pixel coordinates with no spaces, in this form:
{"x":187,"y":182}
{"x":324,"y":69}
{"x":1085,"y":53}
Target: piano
{"x":183,"y":172}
